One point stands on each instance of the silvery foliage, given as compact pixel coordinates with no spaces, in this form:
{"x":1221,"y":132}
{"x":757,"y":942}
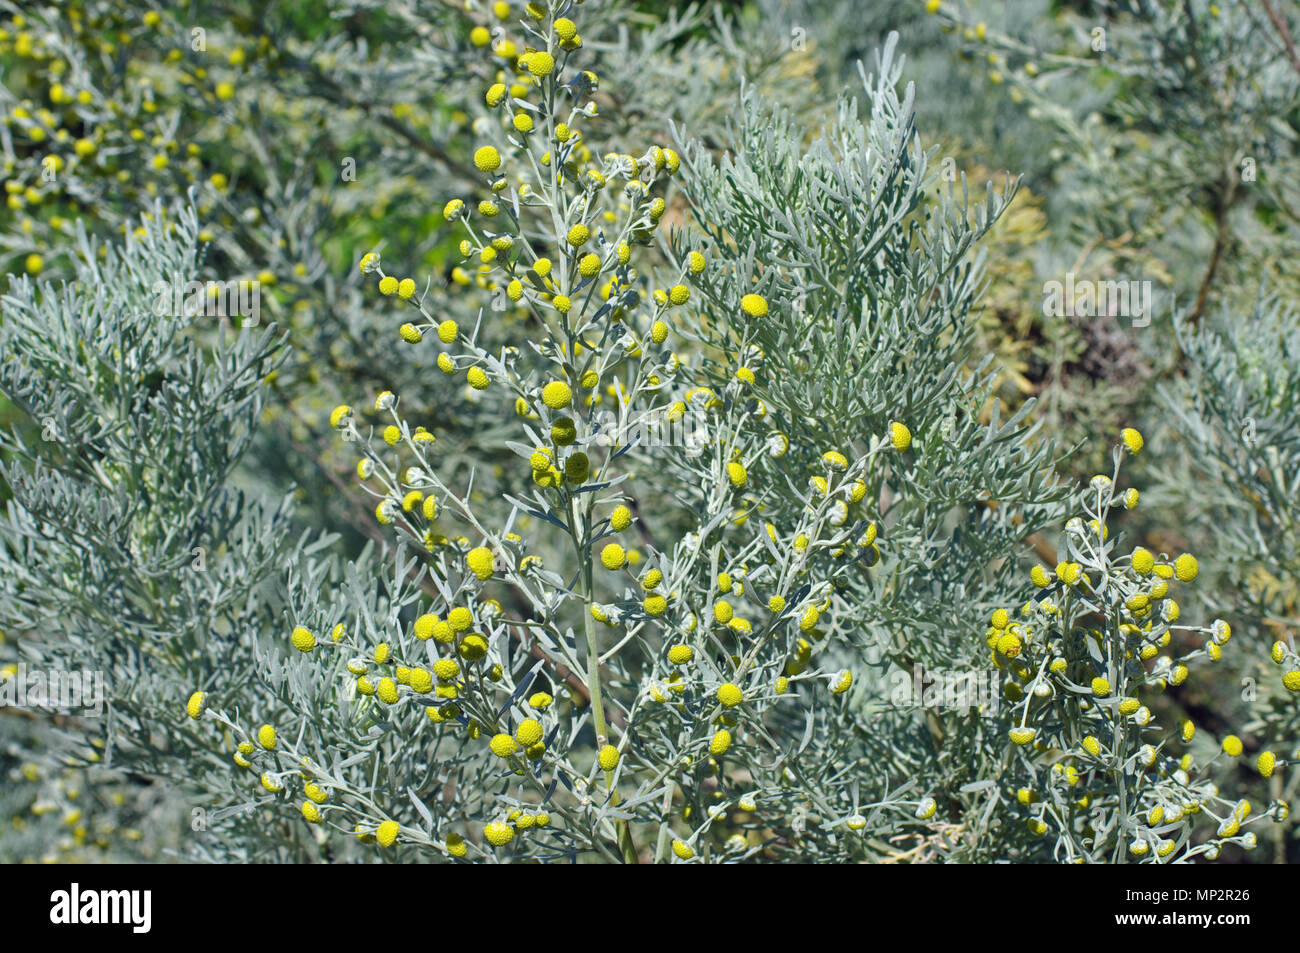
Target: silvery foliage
{"x":125,"y":549}
{"x":873,"y":275}
{"x":1237,"y":411}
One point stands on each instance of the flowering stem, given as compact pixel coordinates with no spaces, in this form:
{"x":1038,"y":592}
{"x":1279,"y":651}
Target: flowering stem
{"x":593,"y":685}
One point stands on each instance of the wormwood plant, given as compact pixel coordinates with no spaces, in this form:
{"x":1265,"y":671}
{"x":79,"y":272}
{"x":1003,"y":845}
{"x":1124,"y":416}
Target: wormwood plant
{"x":1100,"y":779}
{"x":534,"y":684}
{"x":124,"y":549}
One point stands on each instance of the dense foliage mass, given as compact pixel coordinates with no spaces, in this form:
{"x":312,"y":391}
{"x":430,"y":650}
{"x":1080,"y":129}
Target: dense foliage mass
{"x":617,"y":432}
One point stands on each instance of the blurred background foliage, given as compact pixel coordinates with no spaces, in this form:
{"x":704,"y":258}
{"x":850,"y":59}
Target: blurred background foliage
{"x":1153,"y":141}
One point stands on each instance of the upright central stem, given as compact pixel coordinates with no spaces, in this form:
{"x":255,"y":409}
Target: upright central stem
{"x":625,"y":843}
{"x":593,"y":663}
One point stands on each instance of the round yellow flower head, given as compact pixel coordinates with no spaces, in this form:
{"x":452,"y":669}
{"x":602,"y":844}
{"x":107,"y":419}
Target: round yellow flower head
{"x":420,"y":680}
{"x":754,"y":305}
{"x":1100,"y":686}
{"x":1185,"y":567}
{"x":339,"y":414}
{"x":1265,"y":763}
{"x":564,"y":431}
{"x":925,"y":810}
{"x":1008,"y":644}
{"x":487,"y":159}
{"x":502,"y":745}
{"x":683,"y":850}
{"x":302,"y":639}
{"x":608,"y":758}
{"x":578,"y":235}
{"x":406,"y":287}
{"x":447,"y":331}
{"x":456,"y":846}
{"x":311,"y":813}
{"x":843,"y":682}
{"x":612,"y":556}
{"x":481,"y":562}
{"x":197,"y":703}
{"x":565,"y":29}
{"x":621,"y":518}
{"x":266,"y":737}
{"x":1132,"y":440}
{"x":557,"y":395}
{"x":473,"y":648}
{"x":425,"y":626}
{"x":386,"y":833}
{"x":681,"y":654}
{"x":737,"y":474}
{"x":387,"y":285}
{"x":1291,"y":681}
{"x":720,"y":743}
{"x":541,"y":64}
{"x":529,"y":732}
{"x":730,"y":695}
{"x":900,"y":436}
{"x":1143,"y":561}
{"x":1039,"y":577}
{"x":1069,"y":573}
{"x":1021,"y":736}
{"x":387,"y":691}
{"x":1232,"y":746}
